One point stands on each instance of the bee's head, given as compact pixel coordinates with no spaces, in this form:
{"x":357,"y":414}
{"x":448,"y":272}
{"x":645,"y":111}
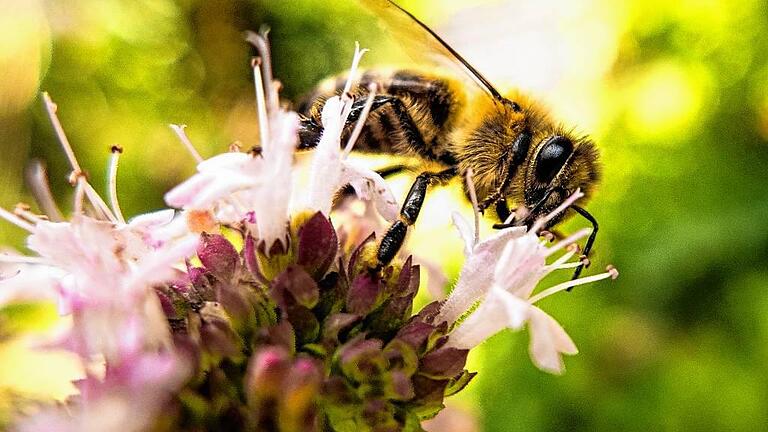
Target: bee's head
{"x":558,"y":165}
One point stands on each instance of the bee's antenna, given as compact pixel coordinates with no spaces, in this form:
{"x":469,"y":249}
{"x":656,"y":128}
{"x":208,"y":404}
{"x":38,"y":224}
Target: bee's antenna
{"x":590,"y":240}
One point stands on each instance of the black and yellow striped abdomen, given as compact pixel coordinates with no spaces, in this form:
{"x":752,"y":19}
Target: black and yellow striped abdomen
{"x":414,"y":114}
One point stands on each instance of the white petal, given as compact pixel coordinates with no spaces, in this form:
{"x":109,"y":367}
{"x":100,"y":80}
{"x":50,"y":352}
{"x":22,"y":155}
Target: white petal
{"x":466,"y":231}
{"x":153,"y":219}
{"x":370,"y":186}
{"x":496,"y":242}
{"x":157,"y":266}
{"x":230,"y":161}
{"x":203,"y":189}
{"x":331,"y":115}
{"x":477,"y":274}
{"x":548,"y":341}
{"x":498,"y":311}
{"x":25,"y":282}
{"x":284,"y":136}
{"x":521,"y":265}
{"x":475,"y":279}
{"x":325,"y":176}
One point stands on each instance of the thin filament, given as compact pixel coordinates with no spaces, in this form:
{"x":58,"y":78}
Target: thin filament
{"x":567,"y":203}
{"x":353,"y":70}
{"x":361,"y":121}
{"x":113,"y":165}
{"x":19,"y":222}
{"x":51,"y":107}
{"x":37,"y":179}
{"x":475,"y":206}
{"x":261,"y":105}
{"x":567,"y":284}
{"x":179,"y":130}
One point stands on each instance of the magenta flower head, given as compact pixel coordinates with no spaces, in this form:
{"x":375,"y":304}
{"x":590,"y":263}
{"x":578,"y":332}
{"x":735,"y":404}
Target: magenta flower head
{"x":246,"y":308}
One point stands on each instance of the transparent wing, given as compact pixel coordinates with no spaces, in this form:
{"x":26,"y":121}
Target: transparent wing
{"x":420,"y":41}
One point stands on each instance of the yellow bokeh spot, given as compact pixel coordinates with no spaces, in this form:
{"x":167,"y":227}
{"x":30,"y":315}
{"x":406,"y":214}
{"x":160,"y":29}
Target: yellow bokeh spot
{"x":38,"y":373}
{"x":666,"y":100}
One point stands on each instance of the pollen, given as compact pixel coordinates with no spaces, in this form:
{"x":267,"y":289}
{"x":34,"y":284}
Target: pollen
{"x":200,"y":221}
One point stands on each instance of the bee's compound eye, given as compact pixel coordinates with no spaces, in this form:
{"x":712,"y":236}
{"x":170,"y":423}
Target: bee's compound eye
{"x":551,"y":158}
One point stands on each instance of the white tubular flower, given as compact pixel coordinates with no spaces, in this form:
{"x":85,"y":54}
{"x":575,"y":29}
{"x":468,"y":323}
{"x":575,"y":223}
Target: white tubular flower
{"x":506,"y":293}
{"x":475,"y":279}
{"x":330,"y":168}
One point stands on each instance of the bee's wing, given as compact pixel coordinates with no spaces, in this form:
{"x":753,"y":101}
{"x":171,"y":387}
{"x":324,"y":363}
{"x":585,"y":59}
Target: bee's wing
{"x":421,"y":41}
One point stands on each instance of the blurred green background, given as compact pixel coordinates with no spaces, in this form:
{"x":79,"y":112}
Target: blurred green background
{"x":675,"y":93}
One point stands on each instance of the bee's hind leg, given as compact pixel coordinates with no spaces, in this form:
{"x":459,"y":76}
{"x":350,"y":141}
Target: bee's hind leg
{"x":395,"y":236}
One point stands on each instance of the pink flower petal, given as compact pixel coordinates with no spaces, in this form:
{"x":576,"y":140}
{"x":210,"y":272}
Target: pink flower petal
{"x":548,"y":341}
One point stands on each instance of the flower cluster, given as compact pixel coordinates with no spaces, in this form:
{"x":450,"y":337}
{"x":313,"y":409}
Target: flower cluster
{"x":243,"y":310}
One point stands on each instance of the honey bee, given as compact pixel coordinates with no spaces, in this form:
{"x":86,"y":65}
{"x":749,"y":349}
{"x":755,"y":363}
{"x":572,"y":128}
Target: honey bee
{"x":516,"y":152}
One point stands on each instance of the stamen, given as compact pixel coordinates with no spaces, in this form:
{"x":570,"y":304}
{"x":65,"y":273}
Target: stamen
{"x":569,"y":265}
{"x":79,"y":197}
{"x":475,"y":207}
{"x":97,"y":202}
{"x":548,"y":236}
{"x":563,"y":260}
{"x":612,"y":273}
{"x":37,"y":180}
{"x":361,"y":121}
{"x":353,"y":71}
{"x":261,"y":43}
{"x":585,"y":260}
{"x":113,"y":164}
{"x":179,"y":130}
{"x":52,"y":108}
{"x":237,"y":146}
{"x":261,"y":104}
{"x":567,"y":203}
{"x":23,"y":211}
{"x":567,"y":241}
{"x":77,"y":172}
{"x":19,"y":222}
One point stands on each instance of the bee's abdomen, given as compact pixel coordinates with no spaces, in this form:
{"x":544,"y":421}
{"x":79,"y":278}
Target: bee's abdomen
{"x":412,"y":114}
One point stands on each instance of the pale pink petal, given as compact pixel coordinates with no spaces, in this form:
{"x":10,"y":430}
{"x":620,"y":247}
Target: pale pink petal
{"x":202,"y":190}
{"x":466,"y":231}
{"x":157,"y":266}
{"x":495,"y":243}
{"x":325,"y":179}
{"x":548,"y":341}
{"x":150,"y":220}
{"x":498,"y":311}
{"x":230,"y":161}
{"x":28,"y":283}
{"x":370,"y":186}
{"x":474,"y":282}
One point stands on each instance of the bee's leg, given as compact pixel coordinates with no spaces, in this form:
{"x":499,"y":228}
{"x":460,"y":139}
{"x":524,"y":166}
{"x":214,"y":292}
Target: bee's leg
{"x":502,"y":210}
{"x":395,"y":236}
{"x":590,"y":240}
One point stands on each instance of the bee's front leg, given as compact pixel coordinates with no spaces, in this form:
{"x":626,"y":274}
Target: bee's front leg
{"x":395,"y":236}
